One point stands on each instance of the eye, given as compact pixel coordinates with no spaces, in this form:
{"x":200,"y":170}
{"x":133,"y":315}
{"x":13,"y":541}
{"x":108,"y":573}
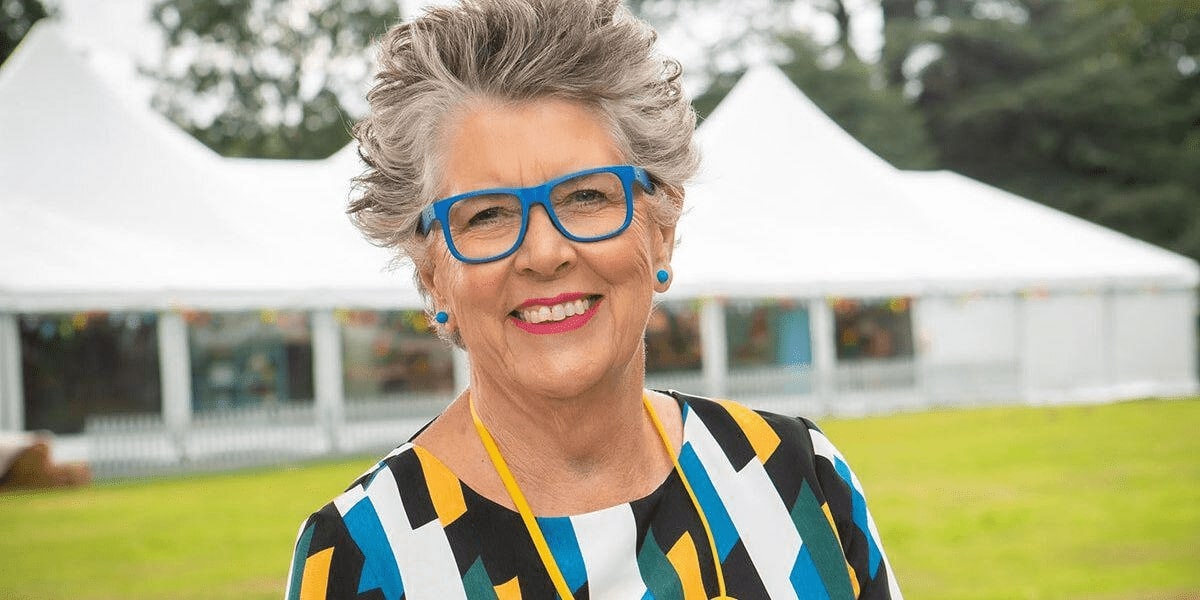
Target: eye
{"x":484,"y":216}
{"x":586,"y":196}
{"x":482,"y":212}
{"x":588,"y":193}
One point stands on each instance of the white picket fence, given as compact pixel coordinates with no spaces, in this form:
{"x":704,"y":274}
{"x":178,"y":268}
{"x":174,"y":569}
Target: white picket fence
{"x":139,"y":445}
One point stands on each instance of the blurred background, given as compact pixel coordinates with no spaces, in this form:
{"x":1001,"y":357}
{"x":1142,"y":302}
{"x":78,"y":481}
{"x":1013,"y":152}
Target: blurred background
{"x":906,"y":206}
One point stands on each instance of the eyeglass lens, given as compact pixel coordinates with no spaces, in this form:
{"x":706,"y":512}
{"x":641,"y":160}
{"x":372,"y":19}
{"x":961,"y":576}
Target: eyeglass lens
{"x":587,"y":207}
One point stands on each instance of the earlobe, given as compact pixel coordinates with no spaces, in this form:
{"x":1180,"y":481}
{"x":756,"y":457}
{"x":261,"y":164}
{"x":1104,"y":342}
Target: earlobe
{"x":662,"y":279}
{"x":440,"y":311}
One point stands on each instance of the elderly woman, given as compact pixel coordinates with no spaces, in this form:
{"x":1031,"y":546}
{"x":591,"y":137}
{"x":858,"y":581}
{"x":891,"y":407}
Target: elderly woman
{"x":529,"y":157}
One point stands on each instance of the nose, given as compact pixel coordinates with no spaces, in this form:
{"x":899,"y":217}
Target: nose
{"x":545,"y":252}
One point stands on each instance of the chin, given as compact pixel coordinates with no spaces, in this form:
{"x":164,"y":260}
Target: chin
{"x":574,"y":379}
{"x":566,"y":383}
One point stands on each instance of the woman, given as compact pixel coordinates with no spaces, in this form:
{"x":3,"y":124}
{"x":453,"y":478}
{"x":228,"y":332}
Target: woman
{"x":529,"y":157}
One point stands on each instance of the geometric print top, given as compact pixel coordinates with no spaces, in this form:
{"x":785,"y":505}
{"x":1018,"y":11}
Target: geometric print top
{"x":787,"y":514}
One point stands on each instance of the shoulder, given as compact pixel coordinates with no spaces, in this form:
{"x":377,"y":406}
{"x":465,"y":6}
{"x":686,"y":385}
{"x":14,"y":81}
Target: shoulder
{"x":811,"y":477}
{"x":733,"y":423}
{"x":794,"y":451}
{"x":342,"y":521}
{"x":345,"y":542}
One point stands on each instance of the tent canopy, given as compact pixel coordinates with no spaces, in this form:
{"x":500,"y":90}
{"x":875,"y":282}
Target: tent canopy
{"x":1019,"y":243}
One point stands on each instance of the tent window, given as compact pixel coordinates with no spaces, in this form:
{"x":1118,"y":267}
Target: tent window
{"x":768,"y":332}
{"x":249,"y":358}
{"x":873,"y":328}
{"x":673,"y":338}
{"x":393,"y":352}
{"x":81,"y":364}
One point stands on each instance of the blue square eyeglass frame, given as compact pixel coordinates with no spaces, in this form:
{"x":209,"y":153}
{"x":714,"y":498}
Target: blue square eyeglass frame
{"x":536,"y":194}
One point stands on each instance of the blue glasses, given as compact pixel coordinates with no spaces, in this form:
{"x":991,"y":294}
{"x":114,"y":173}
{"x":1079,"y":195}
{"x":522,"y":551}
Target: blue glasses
{"x":585,"y":206}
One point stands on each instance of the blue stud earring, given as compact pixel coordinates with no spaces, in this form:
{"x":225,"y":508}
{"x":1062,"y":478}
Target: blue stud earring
{"x":441,"y":317}
{"x":662,"y":275}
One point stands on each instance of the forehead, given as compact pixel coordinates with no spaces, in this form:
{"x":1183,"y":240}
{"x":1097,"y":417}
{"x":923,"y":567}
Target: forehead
{"x":493,"y":144}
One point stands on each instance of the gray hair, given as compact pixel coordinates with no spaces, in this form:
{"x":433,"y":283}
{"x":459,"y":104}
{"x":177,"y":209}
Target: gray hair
{"x":593,"y":52}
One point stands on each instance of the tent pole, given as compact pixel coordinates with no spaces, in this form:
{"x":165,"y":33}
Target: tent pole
{"x":1110,"y":379}
{"x":12,"y":403}
{"x":328,"y":384}
{"x":175,"y":374}
{"x":922,"y":370}
{"x":824,"y":353}
{"x":1024,"y":381}
{"x":714,"y":354}
{"x":1193,"y":341}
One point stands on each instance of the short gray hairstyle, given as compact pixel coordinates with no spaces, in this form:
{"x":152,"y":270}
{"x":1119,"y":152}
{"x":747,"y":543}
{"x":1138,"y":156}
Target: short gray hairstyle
{"x":594,"y":52}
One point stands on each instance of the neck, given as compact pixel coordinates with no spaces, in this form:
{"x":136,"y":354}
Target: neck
{"x":560,"y":431}
{"x":564,"y":451}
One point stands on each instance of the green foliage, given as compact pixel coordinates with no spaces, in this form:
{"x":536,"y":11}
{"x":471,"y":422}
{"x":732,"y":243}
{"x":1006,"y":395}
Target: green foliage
{"x":1017,"y":502}
{"x":853,"y":95}
{"x":1089,"y":108}
{"x":268,"y":78}
{"x":16,"y":17}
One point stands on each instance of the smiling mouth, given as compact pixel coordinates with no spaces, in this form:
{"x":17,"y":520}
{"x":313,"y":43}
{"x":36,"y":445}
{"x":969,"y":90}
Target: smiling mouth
{"x":555,"y":312}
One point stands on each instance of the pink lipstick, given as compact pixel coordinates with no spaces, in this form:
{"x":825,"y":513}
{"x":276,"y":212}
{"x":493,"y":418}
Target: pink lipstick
{"x":570,"y":323}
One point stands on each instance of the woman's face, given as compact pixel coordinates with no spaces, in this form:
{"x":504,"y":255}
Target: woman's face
{"x":494,"y":305}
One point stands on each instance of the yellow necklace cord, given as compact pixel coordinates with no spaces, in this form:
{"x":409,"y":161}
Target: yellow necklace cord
{"x":514,"y":492}
{"x":712,"y":543}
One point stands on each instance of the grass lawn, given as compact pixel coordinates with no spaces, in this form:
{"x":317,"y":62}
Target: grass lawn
{"x":1081,"y":502}
{"x":1095,"y":502}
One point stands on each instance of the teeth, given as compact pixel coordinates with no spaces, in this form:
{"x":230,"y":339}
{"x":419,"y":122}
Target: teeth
{"x":557,"y":312}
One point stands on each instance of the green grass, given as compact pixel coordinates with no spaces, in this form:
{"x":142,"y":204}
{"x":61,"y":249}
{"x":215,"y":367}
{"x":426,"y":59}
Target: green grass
{"x":1095,"y":502}
{"x":1084,"y":502}
{"x":202,"y":537}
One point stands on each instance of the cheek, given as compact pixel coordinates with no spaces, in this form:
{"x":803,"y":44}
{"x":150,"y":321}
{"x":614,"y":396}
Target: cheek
{"x":644,"y":243}
{"x":642,"y":264}
{"x":629,"y":266}
{"x":475,"y":288}
{"x":451,"y":283}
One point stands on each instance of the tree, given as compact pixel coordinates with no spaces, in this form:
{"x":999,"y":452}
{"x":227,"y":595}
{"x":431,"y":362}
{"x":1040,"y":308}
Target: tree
{"x":855,"y":95}
{"x":16,"y":18}
{"x":1087,"y":107}
{"x":267,"y":78}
